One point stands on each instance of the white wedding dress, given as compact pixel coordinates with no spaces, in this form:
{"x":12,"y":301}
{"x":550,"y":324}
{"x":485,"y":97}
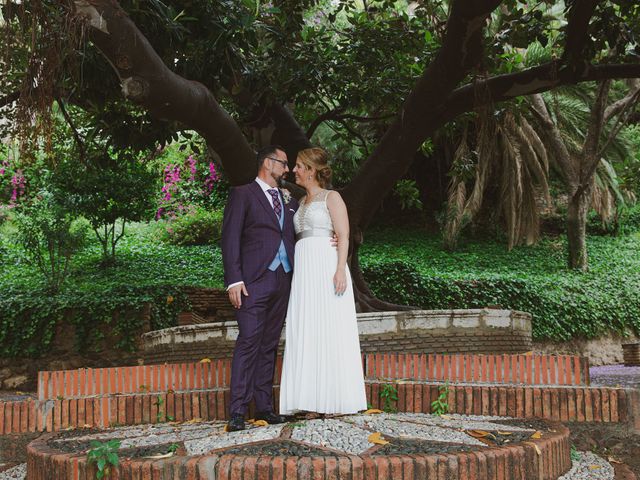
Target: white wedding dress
{"x":322,"y":369}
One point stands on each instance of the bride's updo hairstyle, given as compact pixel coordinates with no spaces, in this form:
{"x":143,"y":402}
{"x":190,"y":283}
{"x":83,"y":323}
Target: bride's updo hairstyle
{"x":317,"y":158}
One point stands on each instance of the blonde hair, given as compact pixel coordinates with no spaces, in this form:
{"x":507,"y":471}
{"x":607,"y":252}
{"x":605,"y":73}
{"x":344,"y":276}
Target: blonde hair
{"x":317,"y":158}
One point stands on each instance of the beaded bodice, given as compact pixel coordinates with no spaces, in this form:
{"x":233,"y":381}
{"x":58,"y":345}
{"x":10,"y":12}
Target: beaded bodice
{"x":313,"y":214}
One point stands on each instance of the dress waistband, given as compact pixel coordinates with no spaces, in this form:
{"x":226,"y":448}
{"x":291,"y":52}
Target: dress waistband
{"x":314,"y":232}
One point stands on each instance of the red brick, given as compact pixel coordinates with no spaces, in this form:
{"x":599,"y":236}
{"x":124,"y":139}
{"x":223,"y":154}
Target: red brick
{"x":555,"y":404}
{"x":606,"y":411}
{"x":468,"y":400}
{"x":519,"y":392}
{"x":564,"y":415}
{"x":571,"y":405}
{"x":511,"y":402}
{"x":460,"y":398}
{"x":484,"y":402}
{"x":502,"y":401}
{"x":476,"y":400}
{"x":597,"y":405}
{"x":613,"y":404}
{"x":546,"y":403}
{"x":588,"y":405}
{"x":277,"y":468}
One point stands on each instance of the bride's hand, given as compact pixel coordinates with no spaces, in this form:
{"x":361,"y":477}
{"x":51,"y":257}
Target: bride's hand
{"x":340,"y":281}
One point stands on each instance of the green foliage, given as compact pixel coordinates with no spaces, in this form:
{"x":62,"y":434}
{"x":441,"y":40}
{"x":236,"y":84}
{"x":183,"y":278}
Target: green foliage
{"x":50,"y":237}
{"x":196,"y":226}
{"x":389,"y":396}
{"x":407,"y":268}
{"x":575,"y":455}
{"x":440,"y":406}
{"x":106,"y":188}
{"x":104,"y":455}
{"x":408,"y":194}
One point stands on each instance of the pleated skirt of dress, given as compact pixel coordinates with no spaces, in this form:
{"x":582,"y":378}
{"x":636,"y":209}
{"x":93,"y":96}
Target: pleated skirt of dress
{"x":322,"y":368}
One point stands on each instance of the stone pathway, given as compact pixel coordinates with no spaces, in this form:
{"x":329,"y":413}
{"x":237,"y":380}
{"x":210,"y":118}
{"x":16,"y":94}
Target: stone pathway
{"x":615,"y":376}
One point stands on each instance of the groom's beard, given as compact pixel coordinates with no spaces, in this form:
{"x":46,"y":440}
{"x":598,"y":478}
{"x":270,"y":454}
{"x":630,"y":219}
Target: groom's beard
{"x":280,"y":180}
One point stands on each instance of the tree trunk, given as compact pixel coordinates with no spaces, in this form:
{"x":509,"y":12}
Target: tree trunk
{"x":576,"y":229}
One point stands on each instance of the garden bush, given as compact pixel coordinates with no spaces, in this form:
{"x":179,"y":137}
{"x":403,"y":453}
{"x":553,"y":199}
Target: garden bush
{"x":196,"y":226}
{"x":413,"y":270}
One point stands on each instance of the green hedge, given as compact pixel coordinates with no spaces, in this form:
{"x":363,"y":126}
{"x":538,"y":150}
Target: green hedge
{"x":564,"y":303}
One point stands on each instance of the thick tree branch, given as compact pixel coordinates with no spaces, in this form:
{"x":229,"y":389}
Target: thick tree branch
{"x":461,"y":50}
{"x":147,"y":81}
{"x":288,"y":133}
{"x":590,"y":153}
{"x":579,"y":14}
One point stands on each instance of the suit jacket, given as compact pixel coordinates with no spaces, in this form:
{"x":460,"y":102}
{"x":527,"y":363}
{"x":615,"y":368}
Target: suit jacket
{"x":251,"y":233}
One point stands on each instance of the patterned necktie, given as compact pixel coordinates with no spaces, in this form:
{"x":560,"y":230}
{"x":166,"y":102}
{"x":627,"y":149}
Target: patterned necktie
{"x":277,"y":207}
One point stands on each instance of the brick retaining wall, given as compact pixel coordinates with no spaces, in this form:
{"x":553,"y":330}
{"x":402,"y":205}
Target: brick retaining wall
{"x":580,"y":404}
{"x":524,"y":369}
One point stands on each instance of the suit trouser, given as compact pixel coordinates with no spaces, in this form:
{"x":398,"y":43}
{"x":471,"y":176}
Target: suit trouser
{"x":260,"y":321}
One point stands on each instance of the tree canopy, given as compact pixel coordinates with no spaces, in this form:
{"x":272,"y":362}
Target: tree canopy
{"x":242,"y":74}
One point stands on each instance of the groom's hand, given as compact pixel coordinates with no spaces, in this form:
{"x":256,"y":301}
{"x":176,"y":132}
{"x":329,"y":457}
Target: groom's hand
{"x":235,"y":294}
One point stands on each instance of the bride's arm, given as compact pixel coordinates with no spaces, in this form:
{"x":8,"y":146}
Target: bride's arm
{"x":340,"y":220}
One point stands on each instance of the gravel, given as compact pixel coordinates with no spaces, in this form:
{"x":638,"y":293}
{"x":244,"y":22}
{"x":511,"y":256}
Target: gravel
{"x":334,"y":434}
{"x":589,"y":467}
{"x":19,"y":472}
{"x":203,"y":445}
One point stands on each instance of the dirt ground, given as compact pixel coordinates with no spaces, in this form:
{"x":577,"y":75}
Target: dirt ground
{"x":611,"y":441}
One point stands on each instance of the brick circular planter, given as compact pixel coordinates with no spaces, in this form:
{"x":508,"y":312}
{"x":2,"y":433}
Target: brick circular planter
{"x":544,"y":458}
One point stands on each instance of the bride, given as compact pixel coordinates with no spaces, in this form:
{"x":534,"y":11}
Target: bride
{"x":322,"y":369}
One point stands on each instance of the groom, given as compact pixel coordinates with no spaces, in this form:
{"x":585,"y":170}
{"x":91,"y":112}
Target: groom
{"x":258,"y":241}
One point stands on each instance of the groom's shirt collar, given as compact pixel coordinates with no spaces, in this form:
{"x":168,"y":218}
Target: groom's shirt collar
{"x":265,"y":186}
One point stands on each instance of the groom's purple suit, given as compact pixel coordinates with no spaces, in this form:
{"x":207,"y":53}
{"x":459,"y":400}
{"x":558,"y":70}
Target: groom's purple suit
{"x":251,"y":236}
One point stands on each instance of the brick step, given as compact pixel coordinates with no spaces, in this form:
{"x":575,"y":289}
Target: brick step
{"x":564,"y":404}
{"x":491,"y":369}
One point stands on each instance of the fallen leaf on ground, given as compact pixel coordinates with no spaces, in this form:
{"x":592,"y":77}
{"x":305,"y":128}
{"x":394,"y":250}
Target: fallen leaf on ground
{"x":193,"y":420}
{"x":594,"y":467}
{"x":504,"y":433}
{"x":226,"y":428}
{"x":372,"y":411}
{"x":478,"y":433}
{"x":613,"y":460}
{"x":160,"y":455}
{"x":376,"y":438}
{"x":446,"y":417}
{"x":536,"y":435}
{"x":205,"y":360}
{"x":261,"y":423}
{"x":538,"y":451}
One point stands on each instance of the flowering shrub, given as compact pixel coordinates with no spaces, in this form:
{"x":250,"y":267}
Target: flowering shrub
{"x":189,"y":184}
{"x":12,"y":184}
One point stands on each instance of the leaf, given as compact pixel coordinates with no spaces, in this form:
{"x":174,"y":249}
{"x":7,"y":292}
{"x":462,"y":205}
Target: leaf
{"x":372,"y":411}
{"x":594,"y":467}
{"x":536,"y":435}
{"x":504,"y":433}
{"x":226,"y":428}
{"x":478,"y":433}
{"x":205,"y":360}
{"x":192,"y":421}
{"x":446,"y":417}
{"x":376,"y":438}
{"x":538,"y":451}
{"x":160,"y":455}
{"x":261,"y":423}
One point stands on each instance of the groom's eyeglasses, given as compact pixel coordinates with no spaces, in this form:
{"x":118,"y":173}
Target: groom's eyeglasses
{"x":284,"y":164}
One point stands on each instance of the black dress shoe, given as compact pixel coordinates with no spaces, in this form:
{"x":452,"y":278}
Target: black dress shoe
{"x":236,"y":422}
{"x":270,"y":417}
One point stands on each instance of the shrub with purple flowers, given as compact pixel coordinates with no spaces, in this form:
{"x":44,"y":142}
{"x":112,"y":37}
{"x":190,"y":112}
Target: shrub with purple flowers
{"x":192,"y":182}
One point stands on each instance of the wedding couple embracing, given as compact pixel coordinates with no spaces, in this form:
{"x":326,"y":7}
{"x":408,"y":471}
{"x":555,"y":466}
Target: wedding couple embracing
{"x":288,"y":260}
